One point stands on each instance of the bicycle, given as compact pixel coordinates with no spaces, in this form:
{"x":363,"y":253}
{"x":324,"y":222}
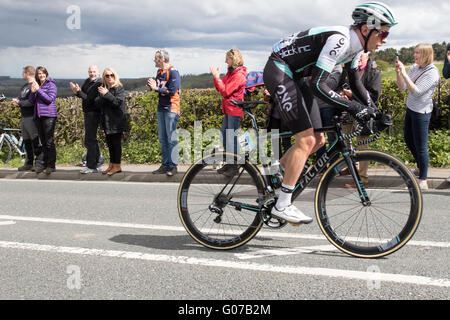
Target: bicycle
{"x":8,"y":142}
{"x":366,"y":221}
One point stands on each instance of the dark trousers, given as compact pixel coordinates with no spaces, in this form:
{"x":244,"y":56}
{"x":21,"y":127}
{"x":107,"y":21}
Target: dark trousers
{"x":415,"y":132}
{"x":91,"y":125}
{"x":327,"y":114}
{"x":46,"y":157}
{"x":114,"y":142}
{"x":30,"y":139}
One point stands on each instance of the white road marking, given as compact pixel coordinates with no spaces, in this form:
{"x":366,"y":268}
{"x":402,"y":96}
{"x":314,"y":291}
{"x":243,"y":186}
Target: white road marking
{"x":285,"y":252}
{"x":6,"y":223}
{"x":262,"y":233}
{"x":297,"y":270}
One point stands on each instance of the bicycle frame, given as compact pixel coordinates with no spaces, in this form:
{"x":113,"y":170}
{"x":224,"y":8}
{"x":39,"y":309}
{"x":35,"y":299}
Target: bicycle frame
{"x":338,"y":147}
{"x":5,"y":137}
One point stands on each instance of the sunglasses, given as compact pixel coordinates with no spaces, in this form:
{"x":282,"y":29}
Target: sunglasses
{"x":383,"y":34}
{"x":109,"y":76}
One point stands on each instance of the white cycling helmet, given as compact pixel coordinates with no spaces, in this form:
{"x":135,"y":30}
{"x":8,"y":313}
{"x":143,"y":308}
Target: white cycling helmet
{"x":373,"y":13}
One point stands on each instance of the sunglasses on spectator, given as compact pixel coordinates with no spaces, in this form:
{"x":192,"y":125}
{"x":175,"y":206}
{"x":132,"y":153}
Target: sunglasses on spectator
{"x":109,"y":75}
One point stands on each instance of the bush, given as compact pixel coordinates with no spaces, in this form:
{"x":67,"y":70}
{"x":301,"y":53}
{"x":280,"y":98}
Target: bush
{"x":141,"y":141}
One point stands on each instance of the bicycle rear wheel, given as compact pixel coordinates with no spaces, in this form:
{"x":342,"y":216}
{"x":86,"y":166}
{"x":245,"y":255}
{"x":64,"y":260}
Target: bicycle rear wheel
{"x":217,"y":211}
{"x":5,"y":151}
{"x":383,"y":226}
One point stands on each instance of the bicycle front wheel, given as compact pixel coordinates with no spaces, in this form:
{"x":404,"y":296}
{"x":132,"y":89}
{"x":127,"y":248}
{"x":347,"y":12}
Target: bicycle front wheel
{"x":220,"y":211}
{"x":381,"y":226}
{"x":5,"y":151}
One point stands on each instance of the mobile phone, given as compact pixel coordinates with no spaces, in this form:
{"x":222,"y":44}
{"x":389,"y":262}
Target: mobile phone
{"x":346,"y":86}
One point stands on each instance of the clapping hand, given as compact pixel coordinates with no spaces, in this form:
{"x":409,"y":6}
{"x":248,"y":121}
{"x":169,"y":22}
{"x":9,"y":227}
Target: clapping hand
{"x":102,"y":90}
{"x":151,"y":84}
{"x":215,"y":72}
{"x":15,"y":102}
{"x":34,"y":86}
{"x":75,"y":87}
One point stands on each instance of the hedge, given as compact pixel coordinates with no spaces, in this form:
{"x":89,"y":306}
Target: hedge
{"x":141,"y":141}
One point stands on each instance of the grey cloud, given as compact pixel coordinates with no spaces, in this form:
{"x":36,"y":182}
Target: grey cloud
{"x":220,"y":24}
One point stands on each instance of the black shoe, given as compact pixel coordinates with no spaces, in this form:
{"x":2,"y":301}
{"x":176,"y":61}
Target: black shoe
{"x":161,"y":170}
{"x":172,"y":171}
{"x":233,"y":170}
{"x":27,"y":167}
{"x":49,"y":170}
{"x":39,"y":169}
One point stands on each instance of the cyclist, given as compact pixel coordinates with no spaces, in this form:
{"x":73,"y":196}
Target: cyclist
{"x":314,"y":53}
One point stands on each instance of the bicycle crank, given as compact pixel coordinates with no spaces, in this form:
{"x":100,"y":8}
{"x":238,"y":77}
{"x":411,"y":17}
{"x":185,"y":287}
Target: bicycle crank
{"x":272,"y":222}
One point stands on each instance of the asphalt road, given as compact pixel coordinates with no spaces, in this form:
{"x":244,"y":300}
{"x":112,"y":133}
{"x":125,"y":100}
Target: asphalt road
{"x":117,"y":240}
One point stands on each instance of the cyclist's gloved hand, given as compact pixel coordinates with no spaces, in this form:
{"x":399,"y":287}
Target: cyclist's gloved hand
{"x":360,"y":112}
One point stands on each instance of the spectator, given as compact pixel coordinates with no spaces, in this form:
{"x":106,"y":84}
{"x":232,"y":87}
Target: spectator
{"x":231,"y":87}
{"x":112,"y":103}
{"x":420,"y":81}
{"x":28,"y":127}
{"x":335,"y":81}
{"x":446,"y":73}
{"x":167,"y":84}
{"x":371,"y":79}
{"x":43,"y":96}
{"x":446,"y":70}
{"x":88,"y":92}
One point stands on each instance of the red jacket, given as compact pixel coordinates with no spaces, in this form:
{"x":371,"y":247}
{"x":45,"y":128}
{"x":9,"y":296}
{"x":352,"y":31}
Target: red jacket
{"x":232,"y":87}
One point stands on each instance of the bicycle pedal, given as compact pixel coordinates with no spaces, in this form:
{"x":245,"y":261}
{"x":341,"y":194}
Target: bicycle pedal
{"x":294,"y":224}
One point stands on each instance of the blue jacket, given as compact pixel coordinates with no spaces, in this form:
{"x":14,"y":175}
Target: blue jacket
{"x":168,"y":82}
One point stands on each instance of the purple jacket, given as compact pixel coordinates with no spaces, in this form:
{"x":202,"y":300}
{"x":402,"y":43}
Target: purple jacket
{"x":44,"y":100}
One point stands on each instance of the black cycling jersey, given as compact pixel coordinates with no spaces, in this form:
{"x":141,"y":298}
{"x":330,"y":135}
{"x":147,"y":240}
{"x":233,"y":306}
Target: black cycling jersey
{"x":314,"y":53}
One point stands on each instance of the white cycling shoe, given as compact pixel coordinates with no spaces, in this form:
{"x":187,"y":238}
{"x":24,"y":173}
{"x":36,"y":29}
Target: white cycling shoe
{"x":291,"y":214}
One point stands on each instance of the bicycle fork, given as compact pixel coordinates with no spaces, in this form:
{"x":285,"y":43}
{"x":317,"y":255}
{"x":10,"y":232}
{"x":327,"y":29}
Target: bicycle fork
{"x":357,"y":179}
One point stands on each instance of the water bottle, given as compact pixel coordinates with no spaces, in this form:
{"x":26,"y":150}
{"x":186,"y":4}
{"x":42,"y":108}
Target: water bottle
{"x":20,"y":141}
{"x":276,"y":175}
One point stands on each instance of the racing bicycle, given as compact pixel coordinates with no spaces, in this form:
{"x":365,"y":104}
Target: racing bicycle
{"x":9,"y":142}
{"x":366,"y":219}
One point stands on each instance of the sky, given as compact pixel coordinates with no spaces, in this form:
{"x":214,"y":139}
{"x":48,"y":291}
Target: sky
{"x":67,"y":36}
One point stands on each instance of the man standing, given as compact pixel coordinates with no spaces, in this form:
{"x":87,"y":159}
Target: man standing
{"x":29,"y":130}
{"x":88,"y":92}
{"x":167,"y":84}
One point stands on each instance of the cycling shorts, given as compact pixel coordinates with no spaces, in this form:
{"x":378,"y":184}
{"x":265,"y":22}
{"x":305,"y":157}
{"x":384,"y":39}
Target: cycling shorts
{"x":298,"y":109}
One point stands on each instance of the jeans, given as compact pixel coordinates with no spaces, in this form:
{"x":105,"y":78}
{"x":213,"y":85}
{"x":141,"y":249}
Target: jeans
{"x":47,"y":156}
{"x":167,"y":136}
{"x":415,"y":132}
{"x":91,"y":124}
{"x":230,"y":122}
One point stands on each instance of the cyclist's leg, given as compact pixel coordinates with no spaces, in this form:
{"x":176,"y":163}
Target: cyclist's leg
{"x":295,"y":116}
